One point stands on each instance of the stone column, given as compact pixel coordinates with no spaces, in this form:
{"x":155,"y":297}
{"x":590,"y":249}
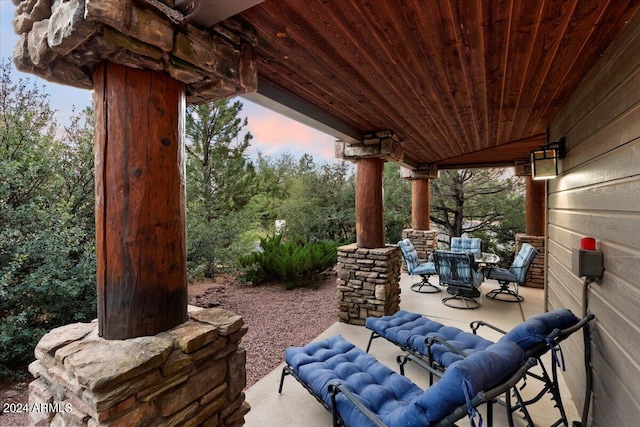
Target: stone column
{"x":368,"y":281}
{"x":535,"y":214}
{"x":424,"y":240}
{"x":144,"y":59}
{"x":190,"y":375}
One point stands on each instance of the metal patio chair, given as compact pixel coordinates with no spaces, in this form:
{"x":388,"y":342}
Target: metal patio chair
{"x":416,"y":268}
{"x":516,"y":274}
{"x":457,"y":271}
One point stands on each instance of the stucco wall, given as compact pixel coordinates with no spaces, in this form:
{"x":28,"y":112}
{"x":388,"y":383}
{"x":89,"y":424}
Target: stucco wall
{"x":598,"y":195}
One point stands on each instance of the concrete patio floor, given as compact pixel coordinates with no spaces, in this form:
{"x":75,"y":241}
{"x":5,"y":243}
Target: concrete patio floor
{"x":296,"y":407}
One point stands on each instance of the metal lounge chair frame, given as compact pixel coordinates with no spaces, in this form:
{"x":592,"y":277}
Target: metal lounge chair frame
{"x":516,"y":370}
{"x":550,"y":342}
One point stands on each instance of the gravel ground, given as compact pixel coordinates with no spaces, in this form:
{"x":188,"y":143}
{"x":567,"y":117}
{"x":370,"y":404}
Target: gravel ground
{"x":276,"y":319}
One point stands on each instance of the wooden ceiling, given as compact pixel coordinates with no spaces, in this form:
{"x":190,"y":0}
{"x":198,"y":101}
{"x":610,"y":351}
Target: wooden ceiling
{"x":460,"y":82}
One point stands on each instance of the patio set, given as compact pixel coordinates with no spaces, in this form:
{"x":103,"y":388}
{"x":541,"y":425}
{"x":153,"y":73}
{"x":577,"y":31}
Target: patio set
{"x":471,"y":370}
{"x":464,"y":267}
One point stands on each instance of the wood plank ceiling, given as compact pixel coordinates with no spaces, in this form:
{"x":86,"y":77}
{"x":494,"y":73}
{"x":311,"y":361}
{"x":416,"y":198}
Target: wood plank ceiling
{"x":461,"y":82}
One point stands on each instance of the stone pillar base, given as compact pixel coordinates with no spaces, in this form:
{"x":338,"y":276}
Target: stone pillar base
{"x":425,"y":242}
{"x":368,"y":282}
{"x":191,"y":375}
{"x":535,"y":275}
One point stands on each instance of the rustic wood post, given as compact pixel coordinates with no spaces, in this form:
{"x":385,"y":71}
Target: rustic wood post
{"x":140,"y":201}
{"x":420,"y":204}
{"x":535,"y":207}
{"x":369,"y":213}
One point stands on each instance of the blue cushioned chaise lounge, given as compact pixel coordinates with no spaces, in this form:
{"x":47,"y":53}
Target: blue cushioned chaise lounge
{"x":436,"y":347}
{"x":361,"y":392}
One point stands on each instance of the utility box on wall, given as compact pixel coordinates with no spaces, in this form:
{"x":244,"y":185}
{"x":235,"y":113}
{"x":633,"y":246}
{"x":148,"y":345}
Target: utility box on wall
{"x":587,"y":263}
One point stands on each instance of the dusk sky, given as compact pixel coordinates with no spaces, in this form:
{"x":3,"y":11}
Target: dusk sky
{"x":272,"y":133}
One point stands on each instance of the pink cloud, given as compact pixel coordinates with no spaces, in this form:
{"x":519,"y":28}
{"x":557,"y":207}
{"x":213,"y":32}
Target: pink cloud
{"x":274,"y":134}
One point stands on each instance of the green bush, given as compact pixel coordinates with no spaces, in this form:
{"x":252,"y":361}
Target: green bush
{"x":47,"y":279}
{"x":295,"y":263}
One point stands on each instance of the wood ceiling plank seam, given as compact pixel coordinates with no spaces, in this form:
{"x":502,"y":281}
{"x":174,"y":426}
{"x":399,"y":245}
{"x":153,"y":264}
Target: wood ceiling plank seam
{"x":549,"y":97}
{"x":453,"y":66}
{"x":550,"y":61}
{"x":264,"y":25}
{"x":602,"y":29}
{"x":525,"y":21}
{"x":497,"y":43}
{"x":381,"y":102}
{"x":428,"y":67}
{"x":436,"y":62}
{"x":544,"y":57}
{"x":399,"y":125}
{"x":433,"y":72}
{"x":405,"y":28}
{"x":472,"y":62}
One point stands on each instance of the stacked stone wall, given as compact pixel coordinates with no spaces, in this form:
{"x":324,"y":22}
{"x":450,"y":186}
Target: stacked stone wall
{"x":535,"y":275}
{"x":192,"y":375}
{"x":368,"y":282}
{"x":425,"y":242}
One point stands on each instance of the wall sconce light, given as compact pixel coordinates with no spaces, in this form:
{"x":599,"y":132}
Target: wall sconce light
{"x":544,"y":162}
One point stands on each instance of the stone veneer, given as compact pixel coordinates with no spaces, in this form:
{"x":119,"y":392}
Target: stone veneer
{"x":425,"y":242}
{"x":191,"y":375}
{"x":535,"y":275}
{"x":368,"y":282}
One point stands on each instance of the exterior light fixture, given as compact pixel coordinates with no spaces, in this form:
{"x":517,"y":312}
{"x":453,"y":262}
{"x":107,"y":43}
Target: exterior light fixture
{"x":544,"y":162}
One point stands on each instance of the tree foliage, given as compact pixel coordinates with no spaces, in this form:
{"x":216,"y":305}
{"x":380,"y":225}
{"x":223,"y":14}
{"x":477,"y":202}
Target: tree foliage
{"x":397,"y":202}
{"x":488,"y":203}
{"x":316,"y":201}
{"x":47,"y":261}
{"x":220,"y":183}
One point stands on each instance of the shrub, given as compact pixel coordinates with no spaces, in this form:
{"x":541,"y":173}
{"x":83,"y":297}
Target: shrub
{"x":295,"y":263}
{"x":46,"y":281}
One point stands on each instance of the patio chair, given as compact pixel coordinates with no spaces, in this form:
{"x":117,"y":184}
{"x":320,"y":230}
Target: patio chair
{"x":457,"y":271}
{"x":360,"y":391}
{"x":467,"y":244}
{"x":416,"y":268}
{"x":516,"y":274}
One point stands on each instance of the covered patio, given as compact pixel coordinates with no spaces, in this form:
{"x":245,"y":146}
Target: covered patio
{"x":428,"y":85}
{"x":296,"y":407}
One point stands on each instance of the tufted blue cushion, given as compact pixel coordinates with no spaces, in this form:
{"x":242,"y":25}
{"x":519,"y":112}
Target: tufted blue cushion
{"x":409,"y":330}
{"x":480,"y":371}
{"x":534,"y":330}
{"x":335,"y":360}
{"x":394,"y":398}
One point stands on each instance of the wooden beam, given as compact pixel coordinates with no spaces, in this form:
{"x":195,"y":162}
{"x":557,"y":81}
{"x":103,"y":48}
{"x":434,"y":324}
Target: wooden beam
{"x":535,"y":207}
{"x":140,"y":201}
{"x":420,"y":204}
{"x":369,"y":214}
